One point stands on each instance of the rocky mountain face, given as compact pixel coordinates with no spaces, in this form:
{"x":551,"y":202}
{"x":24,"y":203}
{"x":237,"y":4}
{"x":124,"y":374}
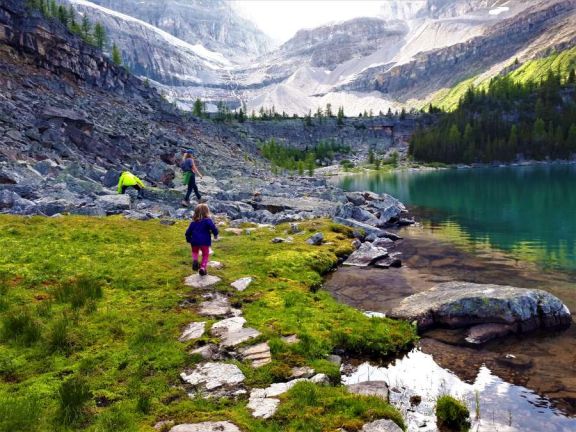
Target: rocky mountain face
{"x":71,"y":121}
{"x":413,"y":49}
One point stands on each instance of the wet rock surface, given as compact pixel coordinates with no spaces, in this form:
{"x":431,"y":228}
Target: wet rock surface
{"x":461,"y":304}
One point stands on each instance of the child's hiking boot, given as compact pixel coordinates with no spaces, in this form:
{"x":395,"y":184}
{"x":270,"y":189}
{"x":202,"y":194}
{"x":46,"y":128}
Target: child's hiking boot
{"x":195,"y":265}
{"x":203,"y":272}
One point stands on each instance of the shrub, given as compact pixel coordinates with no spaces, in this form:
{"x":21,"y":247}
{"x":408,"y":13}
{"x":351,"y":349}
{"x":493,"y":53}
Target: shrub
{"x":59,"y":339}
{"x":78,"y":291}
{"x":19,"y":414}
{"x":73,"y":395}
{"x":452,"y":414}
{"x":21,"y":327}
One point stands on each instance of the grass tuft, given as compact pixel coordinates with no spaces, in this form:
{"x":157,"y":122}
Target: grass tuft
{"x":73,"y":395}
{"x":452,"y":414}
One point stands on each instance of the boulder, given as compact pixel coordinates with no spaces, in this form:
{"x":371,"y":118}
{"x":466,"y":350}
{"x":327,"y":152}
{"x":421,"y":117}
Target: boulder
{"x":263,"y":407}
{"x":302,"y":372}
{"x":387,"y":208}
{"x":463,"y":304}
{"x":316,"y":239}
{"x":356,"y":198}
{"x":114,"y":203}
{"x":221,"y":426}
{"x":365,"y":255}
{"x":368,"y":229}
{"x":381,"y":426}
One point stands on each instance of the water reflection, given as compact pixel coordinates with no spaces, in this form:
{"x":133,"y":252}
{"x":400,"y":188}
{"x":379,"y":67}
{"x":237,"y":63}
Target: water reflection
{"x":529,"y":211}
{"x":501,"y":406}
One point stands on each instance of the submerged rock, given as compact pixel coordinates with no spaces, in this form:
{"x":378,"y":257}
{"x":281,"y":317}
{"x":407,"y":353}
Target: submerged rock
{"x":462,"y":304}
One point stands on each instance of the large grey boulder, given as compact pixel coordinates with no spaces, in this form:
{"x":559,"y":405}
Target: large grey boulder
{"x":365,"y":255}
{"x":114,"y":203}
{"x":387,"y":207}
{"x":368,"y":229}
{"x":462,"y":304}
{"x":211,"y":376}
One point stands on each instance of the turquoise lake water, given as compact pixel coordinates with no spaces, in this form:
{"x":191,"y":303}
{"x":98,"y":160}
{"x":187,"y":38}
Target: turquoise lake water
{"x":528,"y":212}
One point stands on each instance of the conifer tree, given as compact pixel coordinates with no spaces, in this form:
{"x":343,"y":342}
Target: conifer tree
{"x":340,"y":116}
{"x":116,"y":56}
{"x":99,"y":35}
{"x":197,"y":108}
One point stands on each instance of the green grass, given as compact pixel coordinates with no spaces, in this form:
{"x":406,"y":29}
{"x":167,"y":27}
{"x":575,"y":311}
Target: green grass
{"x":91,"y":306}
{"x":452,"y":414}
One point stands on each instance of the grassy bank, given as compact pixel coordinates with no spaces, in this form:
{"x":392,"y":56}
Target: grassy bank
{"x":90,"y":317}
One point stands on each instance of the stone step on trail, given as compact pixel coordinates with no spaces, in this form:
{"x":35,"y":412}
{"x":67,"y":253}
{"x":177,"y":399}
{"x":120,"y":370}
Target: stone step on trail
{"x":232,"y":331}
{"x":215,"y":379}
{"x":258,"y":354}
{"x":193,"y":330}
{"x":197,"y":281}
{"x":221,"y":426}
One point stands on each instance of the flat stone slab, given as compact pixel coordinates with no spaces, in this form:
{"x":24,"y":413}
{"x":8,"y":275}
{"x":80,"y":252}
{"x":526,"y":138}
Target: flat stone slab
{"x":217,"y":265}
{"x":370,"y":388}
{"x":258,"y":354}
{"x":365,"y":255}
{"x":219,"y":306}
{"x":290,"y":339}
{"x":302,"y":372}
{"x":197,"y":281}
{"x":208,"y":352}
{"x":221,"y":426}
{"x":462,"y":304}
{"x":381,"y":426}
{"x":192,"y":331}
{"x":275,"y":389}
{"x":214,"y":375}
{"x":232,"y":331}
{"x":228,"y":325}
{"x":242,"y":283}
{"x":263,"y":407}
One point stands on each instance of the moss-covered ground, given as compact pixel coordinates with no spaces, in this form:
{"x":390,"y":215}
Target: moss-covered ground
{"x":91,"y":310}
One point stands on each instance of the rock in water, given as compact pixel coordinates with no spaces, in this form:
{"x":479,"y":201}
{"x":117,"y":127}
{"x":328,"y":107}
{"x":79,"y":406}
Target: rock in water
{"x":221,"y":426}
{"x":366,"y":255}
{"x":462,"y":304}
{"x":381,"y":426}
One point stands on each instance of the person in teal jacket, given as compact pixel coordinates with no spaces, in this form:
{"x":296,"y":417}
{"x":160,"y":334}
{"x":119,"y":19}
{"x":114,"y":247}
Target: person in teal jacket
{"x":126,"y":180}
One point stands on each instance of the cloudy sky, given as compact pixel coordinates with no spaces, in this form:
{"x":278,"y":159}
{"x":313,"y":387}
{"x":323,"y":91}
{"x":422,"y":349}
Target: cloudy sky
{"x":282,"y":18}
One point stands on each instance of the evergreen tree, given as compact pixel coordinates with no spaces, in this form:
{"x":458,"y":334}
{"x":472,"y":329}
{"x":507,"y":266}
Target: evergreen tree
{"x":197,"y":108}
{"x":403,"y":114}
{"x":86,"y":27}
{"x":99,"y":35}
{"x":329,"y":110}
{"x":370,"y":156}
{"x":300,"y":168}
{"x":340,"y":116}
{"x":116,"y":56}
{"x":241,"y":117}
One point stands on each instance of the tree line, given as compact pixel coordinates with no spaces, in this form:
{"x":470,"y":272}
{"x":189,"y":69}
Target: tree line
{"x":297,"y":160}
{"x":92,"y":34}
{"x":504,"y":122}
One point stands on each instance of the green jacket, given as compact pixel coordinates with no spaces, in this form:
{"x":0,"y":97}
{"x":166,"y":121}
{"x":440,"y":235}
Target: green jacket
{"x":128,"y":179}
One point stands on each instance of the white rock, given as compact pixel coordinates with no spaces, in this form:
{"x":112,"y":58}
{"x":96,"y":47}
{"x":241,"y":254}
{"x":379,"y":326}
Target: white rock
{"x":214,"y":375}
{"x":240,"y":336}
{"x":275,"y":389}
{"x":197,"y":281}
{"x":302,"y":372}
{"x":228,"y":325}
{"x":258,"y":354}
{"x":192,"y":331}
{"x":242,"y":283}
{"x":222,"y":426}
{"x":217,"y":265}
{"x":381,"y":426}
{"x":219,"y":306}
{"x":320,"y":379}
{"x":263,"y":407}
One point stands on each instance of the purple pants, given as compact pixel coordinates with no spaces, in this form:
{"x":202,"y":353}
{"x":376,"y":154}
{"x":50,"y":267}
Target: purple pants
{"x":205,"y":255}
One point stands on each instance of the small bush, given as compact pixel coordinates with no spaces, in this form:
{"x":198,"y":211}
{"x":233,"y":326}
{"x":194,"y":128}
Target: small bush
{"x":73,"y":395}
{"x":59,"y":339}
{"x":144,"y":402}
{"x":19,"y":414}
{"x":79,"y":291}
{"x":452,"y":415}
{"x":21,"y":327}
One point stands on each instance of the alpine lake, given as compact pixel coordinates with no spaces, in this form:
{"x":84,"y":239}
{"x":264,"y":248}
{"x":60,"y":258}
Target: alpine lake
{"x":512,"y":225}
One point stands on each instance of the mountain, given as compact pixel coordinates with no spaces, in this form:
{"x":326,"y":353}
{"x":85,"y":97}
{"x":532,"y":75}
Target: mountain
{"x":413,"y":51}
